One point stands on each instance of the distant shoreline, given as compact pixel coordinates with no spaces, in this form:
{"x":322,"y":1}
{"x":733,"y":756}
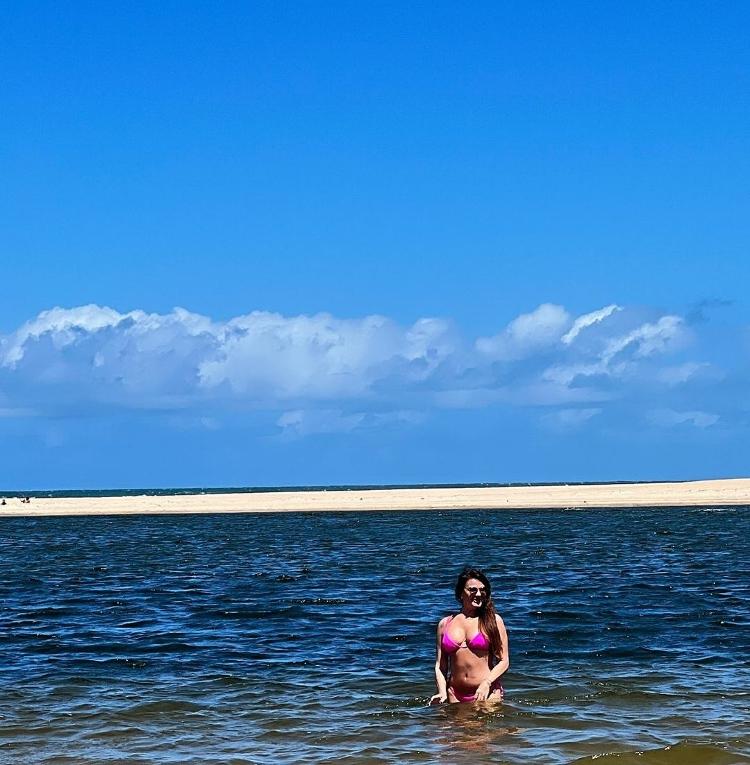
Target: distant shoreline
{"x":721,"y":492}
{"x":183,"y":490}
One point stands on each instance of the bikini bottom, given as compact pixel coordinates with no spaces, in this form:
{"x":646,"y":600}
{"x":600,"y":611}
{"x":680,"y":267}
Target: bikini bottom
{"x":494,"y":692}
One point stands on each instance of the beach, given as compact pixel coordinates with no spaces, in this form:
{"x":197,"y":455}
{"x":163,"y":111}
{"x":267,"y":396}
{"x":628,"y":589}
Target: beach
{"x":721,"y":492}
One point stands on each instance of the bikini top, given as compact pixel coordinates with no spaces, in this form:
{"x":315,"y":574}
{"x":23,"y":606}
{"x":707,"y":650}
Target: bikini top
{"x":479,"y":642}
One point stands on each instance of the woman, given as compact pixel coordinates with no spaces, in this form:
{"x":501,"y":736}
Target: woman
{"x":472,"y":646}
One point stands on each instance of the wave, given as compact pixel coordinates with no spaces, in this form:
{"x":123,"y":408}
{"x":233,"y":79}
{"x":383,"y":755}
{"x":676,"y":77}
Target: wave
{"x":679,"y":754}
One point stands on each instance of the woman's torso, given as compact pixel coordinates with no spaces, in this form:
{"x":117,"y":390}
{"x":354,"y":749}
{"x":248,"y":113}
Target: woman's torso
{"x":468,"y":651}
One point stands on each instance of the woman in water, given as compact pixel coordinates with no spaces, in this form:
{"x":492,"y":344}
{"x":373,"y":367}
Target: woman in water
{"x":472,"y":646}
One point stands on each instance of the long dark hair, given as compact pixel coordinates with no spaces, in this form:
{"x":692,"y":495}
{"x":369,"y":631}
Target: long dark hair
{"x":487,"y":613}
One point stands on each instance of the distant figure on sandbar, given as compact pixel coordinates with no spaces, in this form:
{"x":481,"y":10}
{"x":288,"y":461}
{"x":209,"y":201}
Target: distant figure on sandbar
{"x":472,"y":646}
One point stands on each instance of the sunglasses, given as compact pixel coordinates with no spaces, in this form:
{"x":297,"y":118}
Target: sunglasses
{"x":473,"y":591}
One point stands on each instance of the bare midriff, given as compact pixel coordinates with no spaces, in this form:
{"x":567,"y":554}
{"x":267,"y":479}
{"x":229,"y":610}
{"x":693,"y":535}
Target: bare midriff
{"x":468,"y":669}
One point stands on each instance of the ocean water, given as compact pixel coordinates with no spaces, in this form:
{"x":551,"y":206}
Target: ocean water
{"x":310,"y":637}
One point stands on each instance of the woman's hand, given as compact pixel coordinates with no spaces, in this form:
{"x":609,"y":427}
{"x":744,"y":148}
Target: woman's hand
{"x":439,"y":698}
{"x":483,"y":691}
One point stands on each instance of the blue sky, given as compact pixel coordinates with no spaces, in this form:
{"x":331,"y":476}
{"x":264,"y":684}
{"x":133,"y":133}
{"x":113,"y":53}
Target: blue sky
{"x":380,"y":223}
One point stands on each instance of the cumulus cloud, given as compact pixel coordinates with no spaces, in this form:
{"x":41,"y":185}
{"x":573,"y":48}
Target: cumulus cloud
{"x":618,"y":353}
{"x":270,"y":356}
{"x":323,"y":373}
{"x":649,"y":338}
{"x":527,"y":334}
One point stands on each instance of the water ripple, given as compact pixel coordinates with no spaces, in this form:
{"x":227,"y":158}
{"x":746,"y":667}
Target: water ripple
{"x":242,"y":639}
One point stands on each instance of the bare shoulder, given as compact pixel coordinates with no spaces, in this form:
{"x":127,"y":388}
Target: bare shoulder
{"x":500,"y":622}
{"x":443,"y":622}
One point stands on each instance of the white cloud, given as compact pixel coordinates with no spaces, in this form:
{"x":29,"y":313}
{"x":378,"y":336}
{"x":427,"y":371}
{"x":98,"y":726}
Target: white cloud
{"x":97,"y":354}
{"x":567,"y":419}
{"x":620,"y":355}
{"x":527,"y":334}
{"x":588,"y":320}
{"x":677,"y":375}
{"x":669,"y":418}
{"x":321,"y":357}
{"x":268,"y":355}
{"x":332,"y":374}
{"x":649,"y":338}
{"x":565,"y":374}
{"x":64,"y":326}
{"x":429,"y":342}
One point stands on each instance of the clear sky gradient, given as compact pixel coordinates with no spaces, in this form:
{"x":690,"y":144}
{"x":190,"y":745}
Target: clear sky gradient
{"x":500,"y":169}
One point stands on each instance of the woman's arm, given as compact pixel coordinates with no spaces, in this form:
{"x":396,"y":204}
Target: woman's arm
{"x":441,"y":667}
{"x":485,"y":687}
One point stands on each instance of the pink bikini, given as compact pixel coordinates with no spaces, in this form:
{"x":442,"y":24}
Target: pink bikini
{"x":478,"y":643}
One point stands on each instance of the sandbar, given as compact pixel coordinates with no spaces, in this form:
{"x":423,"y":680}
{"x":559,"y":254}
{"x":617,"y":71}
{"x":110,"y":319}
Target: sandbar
{"x":704,"y":493}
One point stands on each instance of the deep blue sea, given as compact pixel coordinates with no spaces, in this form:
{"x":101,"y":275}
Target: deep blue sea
{"x":310,"y":637}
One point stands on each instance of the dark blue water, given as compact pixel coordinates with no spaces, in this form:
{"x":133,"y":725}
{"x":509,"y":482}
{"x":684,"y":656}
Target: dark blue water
{"x":310,"y":637}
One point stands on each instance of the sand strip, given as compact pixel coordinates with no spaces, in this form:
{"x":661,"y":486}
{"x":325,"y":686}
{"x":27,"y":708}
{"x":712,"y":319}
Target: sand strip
{"x":735,"y":491}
